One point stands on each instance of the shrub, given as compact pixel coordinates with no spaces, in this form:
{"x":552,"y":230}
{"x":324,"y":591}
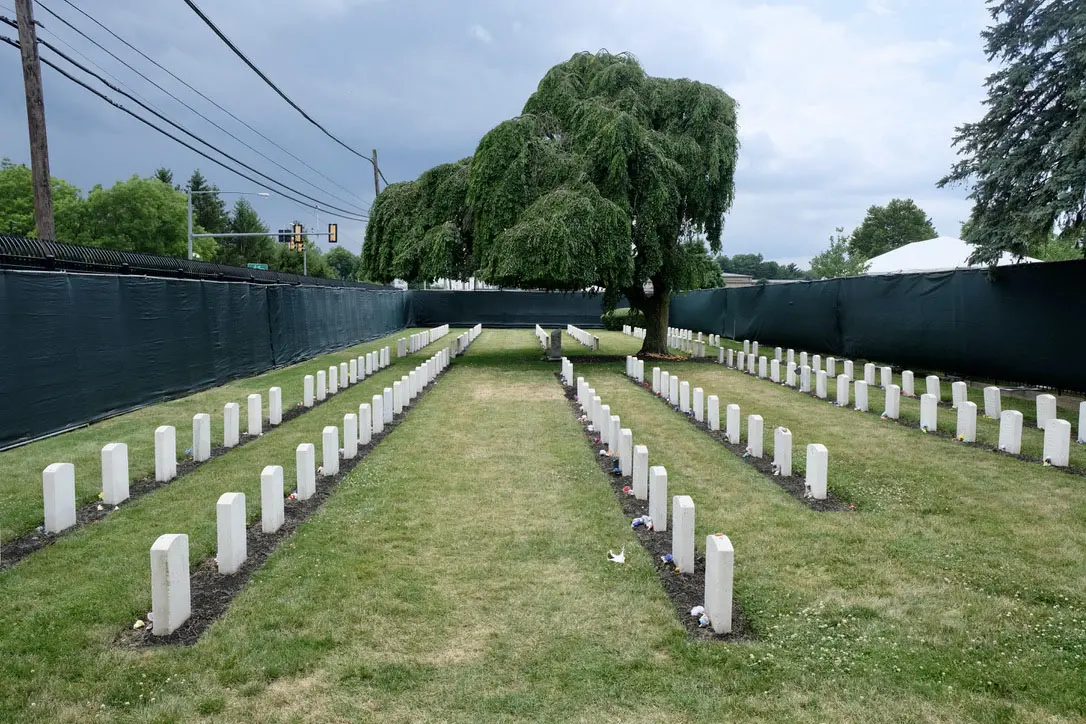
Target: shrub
{"x":614,"y":320}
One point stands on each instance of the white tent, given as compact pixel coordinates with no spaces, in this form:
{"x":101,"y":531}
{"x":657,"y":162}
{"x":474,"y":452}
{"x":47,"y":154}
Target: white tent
{"x":943,"y":253}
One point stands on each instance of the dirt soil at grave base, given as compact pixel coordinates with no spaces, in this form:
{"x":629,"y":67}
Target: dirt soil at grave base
{"x":18,"y":548}
{"x":212,"y":592}
{"x":794,"y":485}
{"x":686,"y":590}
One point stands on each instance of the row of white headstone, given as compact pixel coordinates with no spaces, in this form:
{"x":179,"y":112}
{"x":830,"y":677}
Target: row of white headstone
{"x":631,"y":331}
{"x":689,"y":334}
{"x":650,"y":483}
{"x":588,"y":340}
{"x":58,"y":479}
{"x":171,"y":602}
{"x":459,"y":345}
{"x":542,"y":336}
{"x":1057,"y":440}
{"x":694,"y":347}
{"x":318,"y":387}
{"x":419,"y":340}
{"x":693,"y":402}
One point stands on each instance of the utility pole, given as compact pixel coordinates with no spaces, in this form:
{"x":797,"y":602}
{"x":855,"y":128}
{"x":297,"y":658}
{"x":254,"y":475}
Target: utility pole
{"x":376,"y":186}
{"x":35,"y":116}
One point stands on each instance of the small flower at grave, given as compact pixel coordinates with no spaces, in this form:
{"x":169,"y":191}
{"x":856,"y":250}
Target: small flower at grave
{"x":668,"y":558}
{"x":852,"y":507}
{"x":961,"y":438}
{"x":138,"y":624}
{"x":1046,"y":462}
{"x":101,"y":494}
{"x":697,"y":610}
{"x":100,"y":508}
{"x":627,"y":489}
{"x":924,"y":429}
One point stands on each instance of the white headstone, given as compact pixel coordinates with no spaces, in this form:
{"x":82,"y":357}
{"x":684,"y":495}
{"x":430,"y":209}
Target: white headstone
{"x":344,"y":375}
{"x":271,"y":498}
{"x":275,"y":405}
{"x":732,"y":429}
{"x":886,"y":376}
{"x":752,"y":361}
{"x":1010,"y":432}
{"x":682,"y":533}
{"x":603,"y":424}
{"x":255,"y":415}
{"x":820,"y":384}
{"x":658,"y":497}
{"x":330,"y":450}
{"x":933,"y":387}
{"x":386,"y":405}
{"x":115,"y":473}
{"x":333,"y":380}
{"x":1082,"y":422}
{"x":398,"y":395}
{"x":967,"y":421}
{"x":656,"y":380}
{"x":803,"y":359}
{"x":817,"y":470}
{"x":778,"y":354}
{"x":719,"y":572}
{"x":746,"y":346}
{"x":231,"y":434}
{"x":306,"y":464}
{"x":790,"y":376}
{"x":350,"y":436}
{"x":720,"y":355}
{"x":165,"y":453}
{"x":699,"y":404}
{"x":741,"y":362}
{"x":684,"y":396}
{"x":673,"y":394}
{"x":755,"y":435}
{"x":831,"y":367}
{"x":907,"y":386}
{"x":775,"y":370}
{"x":861,"y":390}
{"x":1046,"y":410}
{"x":782,"y":451}
{"x":613,"y":433}
{"x":230,"y":519}
{"x":869,"y":374}
{"x":665,"y":384}
{"x":816,"y":363}
{"x":842,"y":390}
{"x":625,"y":451}
{"x":754,"y":349}
{"x":713,"y":412}
{"x":929,"y":412}
{"x":414,"y":385}
{"x":804,"y":378}
{"x":1057,"y":446}
{"x":352,"y":370}
{"x":308,"y":391}
{"x":850,"y":369}
{"x":58,"y":493}
{"x":993,"y":405}
{"x":730,"y":358}
{"x":641,"y":472}
{"x":369,"y":363}
{"x":322,"y":387}
{"x":763,"y":367}
{"x":365,"y":424}
{"x":201,"y":437}
{"x":893,"y":402}
{"x":171,"y":603}
{"x":377,"y":414}
{"x":959,"y":393}
{"x":361,"y":367}
{"x":791,"y":356}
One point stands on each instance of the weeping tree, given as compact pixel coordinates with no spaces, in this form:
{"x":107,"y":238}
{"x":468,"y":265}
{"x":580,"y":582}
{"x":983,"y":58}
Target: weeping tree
{"x":609,"y":179}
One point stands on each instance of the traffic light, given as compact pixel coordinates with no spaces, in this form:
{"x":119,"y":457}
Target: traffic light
{"x":331,"y":233}
{"x":299,"y":244}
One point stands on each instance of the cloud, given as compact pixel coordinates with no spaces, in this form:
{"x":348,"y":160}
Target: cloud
{"x":481,"y":34}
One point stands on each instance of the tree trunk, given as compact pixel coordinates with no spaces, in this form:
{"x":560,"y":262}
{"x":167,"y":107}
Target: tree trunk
{"x":655,"y":309}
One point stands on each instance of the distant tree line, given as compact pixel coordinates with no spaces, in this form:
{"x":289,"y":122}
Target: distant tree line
{"x":150,"y":215}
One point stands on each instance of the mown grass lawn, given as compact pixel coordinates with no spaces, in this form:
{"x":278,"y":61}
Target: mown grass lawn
{"x":460,"y":574}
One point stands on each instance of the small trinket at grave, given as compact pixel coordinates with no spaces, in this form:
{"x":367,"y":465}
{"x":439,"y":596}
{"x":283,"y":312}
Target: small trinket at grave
{"x":697,"y":610}
{"x":668,"y":558}
{"x":703,"y":621}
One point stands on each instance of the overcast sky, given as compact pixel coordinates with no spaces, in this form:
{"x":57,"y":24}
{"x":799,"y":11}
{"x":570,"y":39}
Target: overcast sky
{"x":842,"y":103}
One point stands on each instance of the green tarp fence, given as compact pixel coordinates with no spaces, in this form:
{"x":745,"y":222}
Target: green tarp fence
{"x":1020,"y":323}
{"x":552,"y":310}
{"x":75,"y":348}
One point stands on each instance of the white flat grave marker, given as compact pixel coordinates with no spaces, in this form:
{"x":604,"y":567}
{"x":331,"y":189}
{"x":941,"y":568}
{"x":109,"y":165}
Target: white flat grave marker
{"x":58,"y":493}
{"x":230,"y":519}
{"x":719,"y":572}
{"x":272,"y":512}
{"x":658,"y":497}
{"x":114,"y":473}
{"x":1010,"y":432}
{"x":171,"y":603}
{"x":682,"y":533}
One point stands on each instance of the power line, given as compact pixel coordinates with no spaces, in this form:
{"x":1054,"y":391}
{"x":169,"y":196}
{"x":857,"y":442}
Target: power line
{"x":202,"y":95}
{"x":272,"y":85}
{"x":184,"y":130}
{"x":171,"y":136}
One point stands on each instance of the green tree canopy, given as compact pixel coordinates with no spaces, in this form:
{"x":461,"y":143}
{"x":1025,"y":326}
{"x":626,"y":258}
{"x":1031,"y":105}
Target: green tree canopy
{"x":242,"y":250}
{"x":342,"y":264}
{"x":288,"y":260}
{"x":885,"y":228}
{"x":596,"y":184}
{"x":17,"y":203}
{"x":1025,"y":160}
{"x":837,"y":260}
{"x":164,"y":175}
{"x":756,"y":267}
{"x":208,"y":209}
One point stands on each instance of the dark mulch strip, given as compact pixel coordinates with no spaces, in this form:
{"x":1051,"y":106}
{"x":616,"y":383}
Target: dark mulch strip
{"x":686,"y":590}
{"x":212,"y":592}
{"x":794,"y":485}
{"x":595,"y":358}
{"x":16,"y":549}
